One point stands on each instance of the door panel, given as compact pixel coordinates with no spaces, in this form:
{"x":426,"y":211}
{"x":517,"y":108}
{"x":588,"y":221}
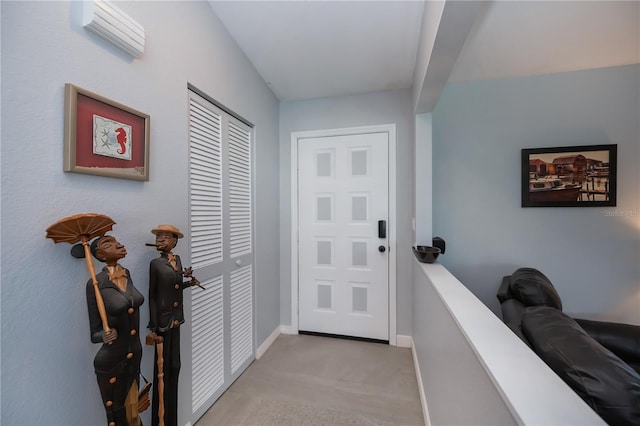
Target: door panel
{"x":205,"y":156}
{"x":207,"y":343}
{"x":241,"y":301}
{"x":221,"y":217}
{"x":343,"y":193}
{"x":239,"y":190}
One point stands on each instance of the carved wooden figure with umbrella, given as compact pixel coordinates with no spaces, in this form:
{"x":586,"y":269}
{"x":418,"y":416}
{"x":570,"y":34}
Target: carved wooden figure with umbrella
{"x":83,"y":228}
{"x":113,"y":305}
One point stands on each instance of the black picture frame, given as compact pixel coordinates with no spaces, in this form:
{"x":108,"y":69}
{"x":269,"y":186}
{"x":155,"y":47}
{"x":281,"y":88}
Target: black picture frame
{"x":569,"y":176}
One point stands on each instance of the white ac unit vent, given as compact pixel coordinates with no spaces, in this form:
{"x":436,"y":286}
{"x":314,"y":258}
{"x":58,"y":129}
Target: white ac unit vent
{"x":109,"y":21}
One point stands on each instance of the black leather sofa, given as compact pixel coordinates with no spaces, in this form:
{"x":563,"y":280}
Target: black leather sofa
{"x":599,"y":360}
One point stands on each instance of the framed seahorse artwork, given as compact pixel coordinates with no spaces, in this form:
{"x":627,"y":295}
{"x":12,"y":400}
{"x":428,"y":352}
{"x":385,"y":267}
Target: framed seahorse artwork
{"x":103,"y":137}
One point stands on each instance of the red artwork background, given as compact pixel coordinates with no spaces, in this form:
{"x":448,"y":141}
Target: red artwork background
{"x":84,"y":134}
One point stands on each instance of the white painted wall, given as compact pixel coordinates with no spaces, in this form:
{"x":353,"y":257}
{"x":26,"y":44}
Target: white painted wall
{"x":431,"y":17}
{"x":445,"y":28}
{"x":391,"y":107}
{"x":424,"y":180}
{"x":47,"y":357}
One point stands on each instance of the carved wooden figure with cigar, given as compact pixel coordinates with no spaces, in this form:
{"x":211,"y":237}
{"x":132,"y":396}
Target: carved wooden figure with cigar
{"x":166,"y":283}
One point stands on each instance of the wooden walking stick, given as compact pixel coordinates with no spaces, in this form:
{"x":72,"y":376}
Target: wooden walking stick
{"x":159,"y":350}
{"x":99,"y":301}
{"x":151,"y":339}
{"x":83,"y":228}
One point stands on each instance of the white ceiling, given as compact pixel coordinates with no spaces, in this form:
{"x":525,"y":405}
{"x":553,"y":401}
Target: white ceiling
{"x":311,"y":49}
{"x":520,"y":38}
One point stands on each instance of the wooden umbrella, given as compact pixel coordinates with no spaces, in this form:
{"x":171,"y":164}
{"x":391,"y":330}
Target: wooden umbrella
{"x":83,"y":228}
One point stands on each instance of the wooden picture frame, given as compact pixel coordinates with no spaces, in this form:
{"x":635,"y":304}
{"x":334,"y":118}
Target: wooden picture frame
{"x":573,"y":176}
{"x":103,"y":137}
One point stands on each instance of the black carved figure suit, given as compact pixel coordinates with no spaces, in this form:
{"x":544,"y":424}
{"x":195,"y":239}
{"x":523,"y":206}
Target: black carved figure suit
{"x":165,"y":316}
{"x":117,"y":365}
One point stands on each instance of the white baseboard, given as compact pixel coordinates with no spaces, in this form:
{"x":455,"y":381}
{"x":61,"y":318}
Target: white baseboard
{"x":423,"y":398}
{"x":283,"y":329}
{"x":287,"y":329}
{"x":404,"y":341}
{"x":267,"y":343}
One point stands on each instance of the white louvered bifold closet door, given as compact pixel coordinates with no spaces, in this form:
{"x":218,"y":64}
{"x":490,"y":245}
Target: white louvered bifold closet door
{"x":221,"y":216}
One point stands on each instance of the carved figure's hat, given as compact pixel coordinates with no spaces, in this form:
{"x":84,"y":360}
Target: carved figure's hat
{"x":167,"y":228}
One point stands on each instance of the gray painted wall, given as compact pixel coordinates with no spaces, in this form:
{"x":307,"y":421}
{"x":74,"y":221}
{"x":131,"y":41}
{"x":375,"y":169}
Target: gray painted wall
{"x":353,"y":111}
{"x":591,"y":255}
{"x":47,"y":357}
{"x":423,"y":181}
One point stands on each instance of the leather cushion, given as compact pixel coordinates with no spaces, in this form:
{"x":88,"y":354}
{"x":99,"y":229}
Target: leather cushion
{"x":604,"y":381}
{"x":512,"y":312}
{"x":621,"y":339}
{"x":532,"y":288}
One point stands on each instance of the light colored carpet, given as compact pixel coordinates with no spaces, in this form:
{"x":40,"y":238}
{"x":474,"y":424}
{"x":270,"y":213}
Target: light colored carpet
{"x":310,"y":380}
{"x":274,"y":412}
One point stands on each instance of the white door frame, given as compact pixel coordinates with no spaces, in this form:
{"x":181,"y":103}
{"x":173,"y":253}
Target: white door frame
{"x":390,"y":129}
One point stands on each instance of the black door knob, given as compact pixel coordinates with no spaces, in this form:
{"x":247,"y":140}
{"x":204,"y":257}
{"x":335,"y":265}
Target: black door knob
{"x":382,"y":249}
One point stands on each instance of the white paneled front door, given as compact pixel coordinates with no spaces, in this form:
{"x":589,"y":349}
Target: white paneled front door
{"x":343,"y":213}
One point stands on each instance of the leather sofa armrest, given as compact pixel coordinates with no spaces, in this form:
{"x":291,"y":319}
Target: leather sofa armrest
{"x":512,"y":312}
{"x":603,"y":380}
{"x":621,"y":339}
{"x":503,"y":291}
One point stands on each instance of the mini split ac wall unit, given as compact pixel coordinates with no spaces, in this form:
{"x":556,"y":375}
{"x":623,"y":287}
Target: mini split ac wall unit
{"x":109,"y":21}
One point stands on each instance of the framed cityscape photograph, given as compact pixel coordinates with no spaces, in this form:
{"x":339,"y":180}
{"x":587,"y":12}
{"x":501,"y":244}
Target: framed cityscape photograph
{"x":103,"y":137}
{"x":573,"y":176}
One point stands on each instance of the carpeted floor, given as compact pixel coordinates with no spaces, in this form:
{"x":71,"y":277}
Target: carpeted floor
{"x":276,"y":412}
{"x":310,"y":380}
